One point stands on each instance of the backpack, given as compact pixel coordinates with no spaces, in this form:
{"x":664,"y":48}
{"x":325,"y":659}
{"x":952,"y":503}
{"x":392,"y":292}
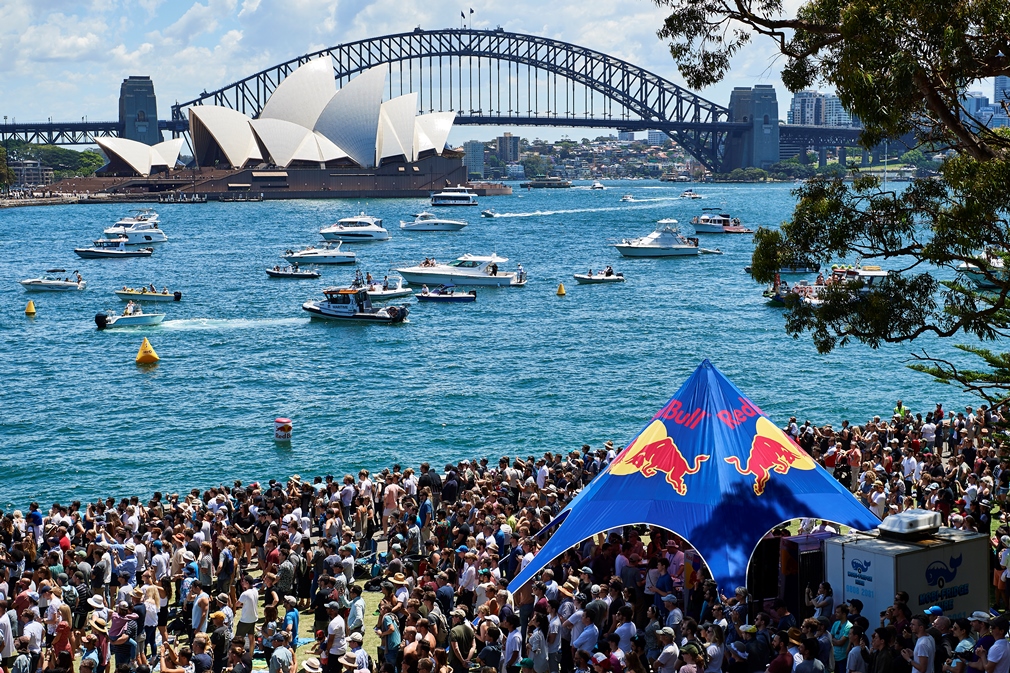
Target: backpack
{"x":70,"y":596}
{"x":442,"y":633}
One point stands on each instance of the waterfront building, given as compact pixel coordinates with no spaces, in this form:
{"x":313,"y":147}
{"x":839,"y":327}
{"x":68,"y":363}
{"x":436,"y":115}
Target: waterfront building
{"x":473,"y":157}
{"x":508,"y":148}
{"x":30,"y":173}
{"x":515,"y":171}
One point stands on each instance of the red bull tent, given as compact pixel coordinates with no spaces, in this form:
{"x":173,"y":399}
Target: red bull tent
{"x":712,"y":468}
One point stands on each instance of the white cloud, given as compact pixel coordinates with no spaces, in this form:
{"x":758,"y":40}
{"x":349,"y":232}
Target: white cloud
{"x":63,"y":38}
{"x":199,"y":19}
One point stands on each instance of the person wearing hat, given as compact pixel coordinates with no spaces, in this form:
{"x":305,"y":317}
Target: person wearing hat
{"x":312,"y":665}
{"x":461,"y":641}
{"x":282,"y":659}
{"x":526,"y":665}
{"x":995,"y":659}
{"x":354,"y":648}
{"x":335,"y":637}
{"x":601,"y":662}
{"x":666,"y":662}
{"x":220,"y":639}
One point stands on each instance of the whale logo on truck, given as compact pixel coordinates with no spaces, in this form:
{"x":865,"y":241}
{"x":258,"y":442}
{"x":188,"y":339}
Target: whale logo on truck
{"x":939,"y":573}
{"x":860,"y":566}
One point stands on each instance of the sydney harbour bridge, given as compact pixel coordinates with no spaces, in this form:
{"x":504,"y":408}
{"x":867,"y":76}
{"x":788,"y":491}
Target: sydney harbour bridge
{"x":499,"y":78}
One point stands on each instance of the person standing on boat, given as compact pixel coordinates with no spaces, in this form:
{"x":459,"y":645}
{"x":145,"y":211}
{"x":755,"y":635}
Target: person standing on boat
{"x":385,"y":282}
{"x":494,"y":268}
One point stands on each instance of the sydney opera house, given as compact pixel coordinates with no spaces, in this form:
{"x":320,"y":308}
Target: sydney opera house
{"x":311,"y":139}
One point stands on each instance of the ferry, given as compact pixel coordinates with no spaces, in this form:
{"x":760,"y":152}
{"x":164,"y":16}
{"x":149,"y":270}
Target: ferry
{"x":544,"y":182}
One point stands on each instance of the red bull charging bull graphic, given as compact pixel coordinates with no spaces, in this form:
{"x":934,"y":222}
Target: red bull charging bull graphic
{"x":771,"y":451}
{"x":653,"y":452}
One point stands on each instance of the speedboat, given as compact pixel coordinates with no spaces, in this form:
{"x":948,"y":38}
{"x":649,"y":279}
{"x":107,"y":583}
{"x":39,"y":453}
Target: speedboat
{"x":389,"y":288}
{"x":446,"y":294}
{"x":361,"y":227}
{"x":140,"y":227}
{"x":627,"y":198}
{"x":430,"y":222}
{"x":147,"y":293}
{"x":718,"y":223}
{"x":466,"y":270}
{"x":454,"y":196}
{"x":488,"y":213}
{"x":291,"y":272}
{"x":353,"y":304}
{"x":975,"y":273}
{"x":112,"y":247}
{"x":50,"y":282}
{"x":597,"y":185}
{"x":132,"y":316}
{"x":690,"y":194}
{"x":665,"y":241}
{"x":606,"y":276}
{"x":327,"y":253}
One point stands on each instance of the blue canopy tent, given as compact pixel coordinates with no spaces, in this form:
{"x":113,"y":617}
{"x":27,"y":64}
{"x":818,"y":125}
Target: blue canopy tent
{"x":712,"y":468}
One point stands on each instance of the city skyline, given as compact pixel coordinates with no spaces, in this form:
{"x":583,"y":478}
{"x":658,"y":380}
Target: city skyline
{"x":66,"y":60}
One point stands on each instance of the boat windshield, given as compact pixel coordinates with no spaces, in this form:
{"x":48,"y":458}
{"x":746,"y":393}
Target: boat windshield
{"x":464,"y":264}
{"x":335,"y":298}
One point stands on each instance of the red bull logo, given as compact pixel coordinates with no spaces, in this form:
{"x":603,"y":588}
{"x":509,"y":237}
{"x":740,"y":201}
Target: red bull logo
{"x":771,"y":451}
{"x":653,"y":452}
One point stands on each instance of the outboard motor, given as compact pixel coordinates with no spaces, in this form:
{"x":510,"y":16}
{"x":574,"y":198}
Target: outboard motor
{"x":177,"y":295}
{"x":101,"y":320}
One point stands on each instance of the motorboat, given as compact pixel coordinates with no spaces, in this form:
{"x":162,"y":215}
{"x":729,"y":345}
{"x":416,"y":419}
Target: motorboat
{"x":112,"y":247}
{"x":490,"y":212}
{"x":389,"y":288}
{"x":454,"y":196}
{"x":867,"y":277}
{"x":718,"y":223}
{"x":139,"y":228}
{"x":291,"y":272}
{"x":430,"y":222}
{"x":446,"y":294}
{"x":359,"y":228}
{"x":328,"y":252}
{"x":147,"y":293}
{"x":608,"y":275}
{"x":353,"y":304}
{"x":466,"y":270}
{"x":995,"y":268}
{"x":690,"y":194}
{"x":597,"y":185}
{"x":50,"y":282}
{"x":665,"y":241}
{"x":132,"y":316}
{"x":627,"y":198}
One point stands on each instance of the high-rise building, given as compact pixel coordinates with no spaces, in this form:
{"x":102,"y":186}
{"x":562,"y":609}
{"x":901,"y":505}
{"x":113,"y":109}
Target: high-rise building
{"x":138,"y":110}
{"x":657,"y":138}
{"x":473,"y":157}
{"x":508,"y":148}
{"x":834,"y":113}
{"x":807,"y":108}
{"x":625,"y":135}
{"x":1001,"y":90}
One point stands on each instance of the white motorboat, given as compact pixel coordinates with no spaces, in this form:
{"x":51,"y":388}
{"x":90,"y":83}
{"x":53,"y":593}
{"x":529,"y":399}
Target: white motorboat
{"x":50,"y":282}
{"x":608,"y":275}
{"x":718,"y":223}
{"x":139,"y":228}
{"x":466,"y":271}
{"x":597,"y":185}
{"x":327,"y":253}
{"x":388,"y":288}
{"x":974,"y":272}
{"x":147,"y":293}
{"x":430,"y":222}
{"x":627,"y":198}
{"x":359,"y":228}
{"x":665,"y":241}
{"x":353,"y":304}
{"x":490,"y":212}
{"x":132,"y":316}
{"x":690,"y":194}
{"x":291,"y":272}
{"x":111,"y":247}
{"x":454,"y":196}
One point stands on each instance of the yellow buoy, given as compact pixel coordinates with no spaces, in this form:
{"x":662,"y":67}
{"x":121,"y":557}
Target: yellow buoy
{"x":30,"y":309}
{"x":146,"y":354}
{"x":561,"y":289}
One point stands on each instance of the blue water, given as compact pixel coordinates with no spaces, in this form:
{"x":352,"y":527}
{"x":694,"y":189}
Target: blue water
{"x":519,"y":371}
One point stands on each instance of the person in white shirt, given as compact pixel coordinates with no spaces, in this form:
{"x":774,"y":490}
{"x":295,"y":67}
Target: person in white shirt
{"x":667,"y":660}
{"x":921,"y":658}
{"x":249,"y":614}
{"x":997,"y":659}
{"x":878,"y":499}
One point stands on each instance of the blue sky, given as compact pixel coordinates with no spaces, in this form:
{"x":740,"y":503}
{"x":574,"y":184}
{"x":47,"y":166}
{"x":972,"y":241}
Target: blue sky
{"x":66,"y":58}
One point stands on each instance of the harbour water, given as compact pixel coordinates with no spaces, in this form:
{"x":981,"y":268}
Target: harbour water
{"x":521,"y":371}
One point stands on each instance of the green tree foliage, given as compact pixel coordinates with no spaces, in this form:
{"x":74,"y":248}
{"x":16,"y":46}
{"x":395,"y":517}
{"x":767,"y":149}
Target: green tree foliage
{"x":536,"y":165}
{"x":902,"y":66}
{"x":6,"y":174}
{"x":64,"y":162}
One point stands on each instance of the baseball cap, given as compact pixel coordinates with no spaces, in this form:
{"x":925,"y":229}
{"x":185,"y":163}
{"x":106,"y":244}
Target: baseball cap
{"x":333,"y":605}
{"x":934,"y":610}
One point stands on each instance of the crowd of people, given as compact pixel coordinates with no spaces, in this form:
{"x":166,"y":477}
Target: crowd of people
{"x":215,"y":580}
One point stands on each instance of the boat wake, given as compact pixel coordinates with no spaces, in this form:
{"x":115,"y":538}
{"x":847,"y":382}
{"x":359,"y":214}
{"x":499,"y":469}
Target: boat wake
{"x":237,"y":323}
{"x":545,"y":213}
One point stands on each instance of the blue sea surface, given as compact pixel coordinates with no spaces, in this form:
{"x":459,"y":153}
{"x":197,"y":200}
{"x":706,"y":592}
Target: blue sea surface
{"x":521,"y":371}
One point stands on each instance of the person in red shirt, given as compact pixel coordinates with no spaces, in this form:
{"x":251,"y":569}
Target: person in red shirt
{"x":783,"y":660}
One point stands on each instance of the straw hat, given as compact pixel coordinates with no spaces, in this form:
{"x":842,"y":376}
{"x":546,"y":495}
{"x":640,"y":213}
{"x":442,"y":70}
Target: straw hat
{"x":349,"y":660}
{"x":399,"y":579}
{"x":98,"y":624}
{"x":312,"y":666}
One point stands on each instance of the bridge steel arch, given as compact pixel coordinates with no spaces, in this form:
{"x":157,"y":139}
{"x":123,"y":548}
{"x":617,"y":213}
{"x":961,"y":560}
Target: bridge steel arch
{"x":614,"y":93}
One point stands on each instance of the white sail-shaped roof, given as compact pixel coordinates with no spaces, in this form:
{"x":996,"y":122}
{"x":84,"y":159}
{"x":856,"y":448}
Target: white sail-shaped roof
{"x":285,"y":141}
{"x":229,"y":129}
{"x":396,"y":128}
{"x":433,"y":128}
{"x":140,"y":157}
{"x":168,"y":152}
{"x":303,"y":94}
{"x":351,"y":117}
{"x":327,"y":150}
